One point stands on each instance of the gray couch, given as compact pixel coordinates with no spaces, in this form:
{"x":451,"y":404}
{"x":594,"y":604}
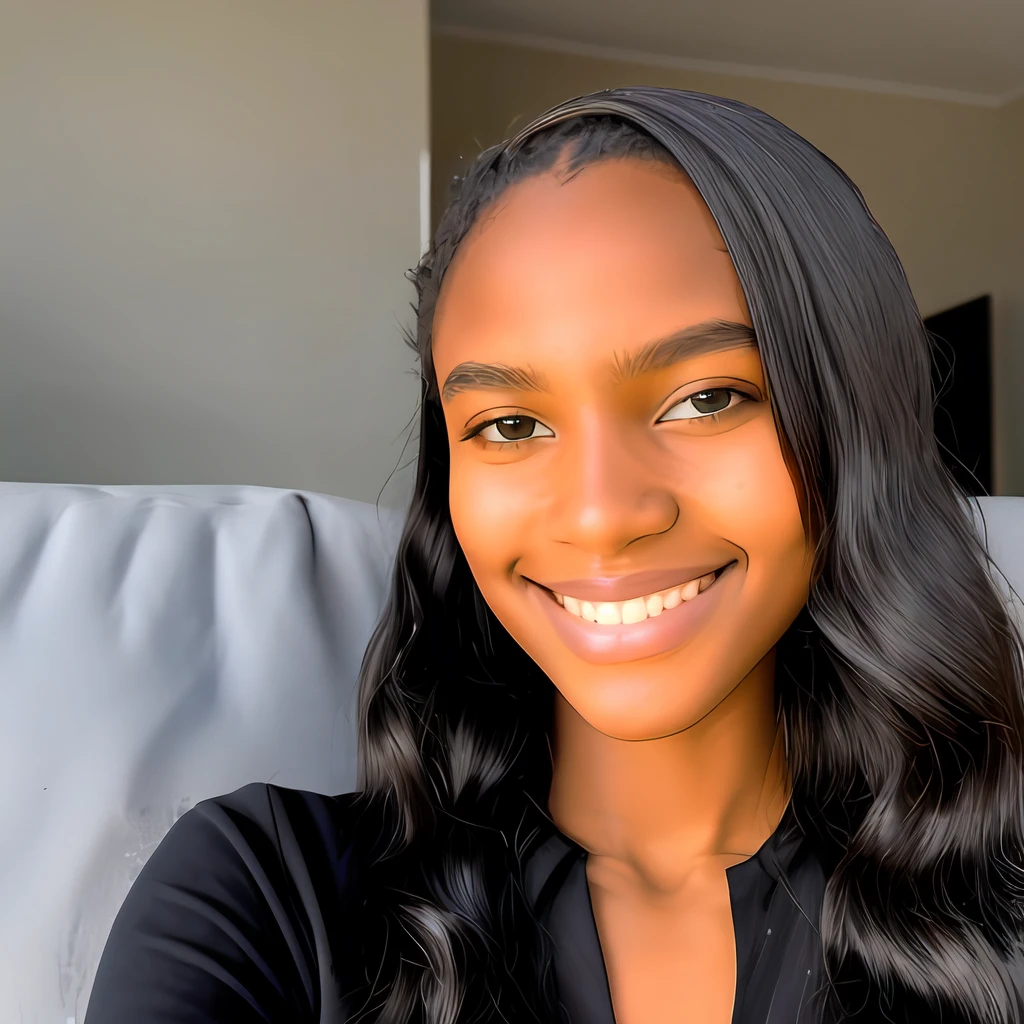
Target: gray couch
{"x":159,"y":646}
{"x":162,"y":645}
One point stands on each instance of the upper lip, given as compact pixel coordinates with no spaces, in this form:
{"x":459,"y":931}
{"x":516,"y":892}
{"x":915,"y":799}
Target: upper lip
{"x":625,"y":588}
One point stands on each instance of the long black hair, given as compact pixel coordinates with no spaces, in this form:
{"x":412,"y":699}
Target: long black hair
{"x":899,"y":686}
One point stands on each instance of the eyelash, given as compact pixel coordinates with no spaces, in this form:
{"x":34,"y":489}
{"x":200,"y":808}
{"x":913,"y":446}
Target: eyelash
{"x":712,"y":416}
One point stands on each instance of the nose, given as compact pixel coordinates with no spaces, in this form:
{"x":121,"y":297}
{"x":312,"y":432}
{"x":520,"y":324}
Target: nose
{"x":613,"y":491}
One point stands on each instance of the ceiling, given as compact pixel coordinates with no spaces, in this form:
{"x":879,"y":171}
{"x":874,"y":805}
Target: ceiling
{"x":969,"y":51}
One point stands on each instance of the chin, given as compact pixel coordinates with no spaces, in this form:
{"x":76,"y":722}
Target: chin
{"x":634,"y":713}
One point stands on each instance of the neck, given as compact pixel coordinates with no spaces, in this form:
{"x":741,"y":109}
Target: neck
{"x":717,"y":789}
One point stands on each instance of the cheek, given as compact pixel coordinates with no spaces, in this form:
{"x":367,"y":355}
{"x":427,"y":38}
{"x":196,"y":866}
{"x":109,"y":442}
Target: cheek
{"x":490,"y":515}
{"x":746,"y":490}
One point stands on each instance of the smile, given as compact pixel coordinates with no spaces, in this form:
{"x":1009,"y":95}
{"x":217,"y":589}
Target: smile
{"x":612,"y":632}
{"x":637,"y":609}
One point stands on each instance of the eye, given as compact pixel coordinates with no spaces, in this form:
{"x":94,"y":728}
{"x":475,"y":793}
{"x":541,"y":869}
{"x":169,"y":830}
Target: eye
{"x":511,"y":428}
{"x":705,"y":404}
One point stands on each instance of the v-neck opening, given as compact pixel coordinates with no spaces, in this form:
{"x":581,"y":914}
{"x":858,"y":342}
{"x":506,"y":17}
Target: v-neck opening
{"x":744,"y":958}
{"x":758,"y":903}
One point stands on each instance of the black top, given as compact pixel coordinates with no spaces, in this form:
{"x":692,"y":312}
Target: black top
{"x":236,"y":919}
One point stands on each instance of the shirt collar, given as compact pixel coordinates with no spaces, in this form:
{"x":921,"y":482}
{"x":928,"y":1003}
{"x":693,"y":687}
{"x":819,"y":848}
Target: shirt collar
{"x":548,"y":865}
{"x":555,"y":881}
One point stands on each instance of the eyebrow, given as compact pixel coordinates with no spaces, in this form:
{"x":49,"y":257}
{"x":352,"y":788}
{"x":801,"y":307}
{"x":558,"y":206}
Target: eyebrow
{"x":692,"y":341}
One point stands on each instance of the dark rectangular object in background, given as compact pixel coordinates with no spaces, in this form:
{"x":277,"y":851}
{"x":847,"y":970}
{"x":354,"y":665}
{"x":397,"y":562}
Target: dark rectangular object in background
{"x":962,"y":375}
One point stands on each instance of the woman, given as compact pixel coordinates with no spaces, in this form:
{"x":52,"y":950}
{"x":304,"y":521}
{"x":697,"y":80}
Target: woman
{"x":694,"y":698}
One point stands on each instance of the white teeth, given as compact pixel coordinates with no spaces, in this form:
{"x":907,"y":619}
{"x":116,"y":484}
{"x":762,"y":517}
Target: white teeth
{"x":634,"y":611}
{"x":614,"y":613}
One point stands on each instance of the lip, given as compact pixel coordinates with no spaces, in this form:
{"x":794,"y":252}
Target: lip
{"x":610,"y":645}
{"x":625,"y":588}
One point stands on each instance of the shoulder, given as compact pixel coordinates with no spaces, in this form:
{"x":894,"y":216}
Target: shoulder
{"x":264,"y":813}
{"x":237,"y":911}
{"x":268,"y":842}
{"x":272,"y":834}
{"x":260,"y":801}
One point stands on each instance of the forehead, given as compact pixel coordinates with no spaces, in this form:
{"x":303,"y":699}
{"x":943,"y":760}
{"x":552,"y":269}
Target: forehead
{"x":584,"y":264}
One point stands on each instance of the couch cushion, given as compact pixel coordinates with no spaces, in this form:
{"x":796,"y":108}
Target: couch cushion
{"x":159,"y":646}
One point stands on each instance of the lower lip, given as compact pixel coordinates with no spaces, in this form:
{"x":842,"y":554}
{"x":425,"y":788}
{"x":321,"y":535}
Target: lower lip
{"x":609,"y":645}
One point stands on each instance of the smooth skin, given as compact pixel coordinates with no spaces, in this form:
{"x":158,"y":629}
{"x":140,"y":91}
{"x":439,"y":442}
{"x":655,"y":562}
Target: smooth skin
{"x":667,"y":769}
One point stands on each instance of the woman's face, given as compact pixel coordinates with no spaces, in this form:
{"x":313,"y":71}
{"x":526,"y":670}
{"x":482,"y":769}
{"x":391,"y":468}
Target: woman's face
{"x":613,"y":452}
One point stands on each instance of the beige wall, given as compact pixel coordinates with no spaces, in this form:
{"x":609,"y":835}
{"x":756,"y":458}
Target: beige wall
{"x":936,"y":175}
{"x":207,"y":210}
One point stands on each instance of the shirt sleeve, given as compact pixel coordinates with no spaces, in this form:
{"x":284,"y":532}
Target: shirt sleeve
{"x":222,"y":926}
